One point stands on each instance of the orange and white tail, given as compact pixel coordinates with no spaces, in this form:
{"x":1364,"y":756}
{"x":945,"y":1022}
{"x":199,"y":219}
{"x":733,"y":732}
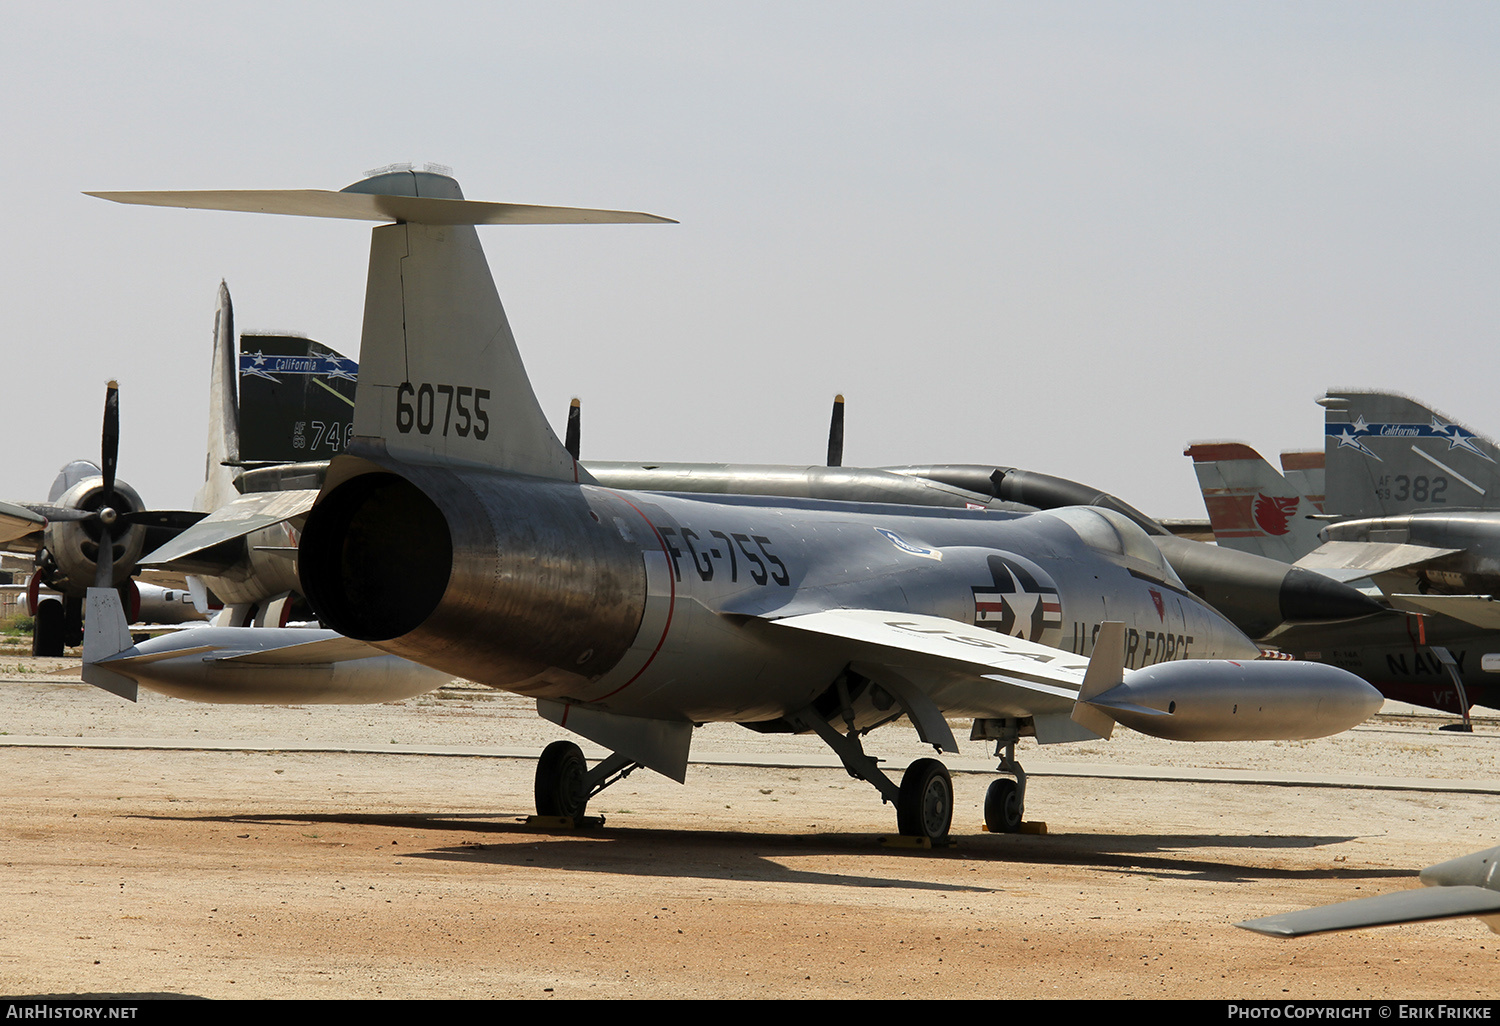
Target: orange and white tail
{"x":1251,"y":507}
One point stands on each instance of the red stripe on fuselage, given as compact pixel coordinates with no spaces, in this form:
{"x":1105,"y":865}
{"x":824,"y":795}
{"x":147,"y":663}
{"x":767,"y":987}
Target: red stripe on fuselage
{"x":671,"y":602}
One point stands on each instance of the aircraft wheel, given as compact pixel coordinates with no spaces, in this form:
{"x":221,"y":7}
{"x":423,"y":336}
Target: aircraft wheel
{"x":1002,"y":807}
{"x":561,"y":773}
{"x":925,"y":807}
{"x":72,"y":621}
{"x":47,"y":629}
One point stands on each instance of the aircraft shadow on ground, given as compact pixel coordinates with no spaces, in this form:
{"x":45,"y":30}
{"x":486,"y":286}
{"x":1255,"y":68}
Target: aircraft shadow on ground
{"x":629,"y":850}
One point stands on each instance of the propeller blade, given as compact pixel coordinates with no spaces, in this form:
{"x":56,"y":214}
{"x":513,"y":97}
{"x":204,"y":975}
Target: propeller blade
{"x":575,"y":426}
{"x":109,"y":449}
{"x":836,"y":433}
{"x":109,"y":455}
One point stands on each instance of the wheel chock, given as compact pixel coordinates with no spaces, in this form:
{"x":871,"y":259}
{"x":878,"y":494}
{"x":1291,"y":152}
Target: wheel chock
{"x":1027,"y":827}
{"x":907,"y":841}
{"x":565,"y":822}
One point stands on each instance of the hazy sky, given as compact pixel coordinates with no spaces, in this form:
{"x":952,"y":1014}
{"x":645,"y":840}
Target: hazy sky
{"x":1069,"y":237}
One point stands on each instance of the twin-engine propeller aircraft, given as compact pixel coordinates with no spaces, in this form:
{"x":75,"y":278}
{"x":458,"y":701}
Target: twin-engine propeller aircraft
{"x":457,"y":531}
{"x":90,"y":532}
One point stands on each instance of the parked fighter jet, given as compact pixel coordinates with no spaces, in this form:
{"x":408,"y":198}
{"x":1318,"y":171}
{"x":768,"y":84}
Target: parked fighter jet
{"x":1409,"y":654}
{"x":1456,"y":889}
{"x":1404,"y":479}
{"x":457,"y":530}
{"x":245,"y":550}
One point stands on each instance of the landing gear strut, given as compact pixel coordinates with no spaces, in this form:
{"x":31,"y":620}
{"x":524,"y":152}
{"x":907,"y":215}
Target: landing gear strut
{"x":1005,"y":801}
{"x":924,"y":800}
{"x":565,"y":784}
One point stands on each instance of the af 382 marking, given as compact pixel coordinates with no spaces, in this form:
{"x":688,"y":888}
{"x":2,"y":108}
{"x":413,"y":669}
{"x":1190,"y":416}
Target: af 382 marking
{"x":1419,"y":489}
{"x":416,"y":407}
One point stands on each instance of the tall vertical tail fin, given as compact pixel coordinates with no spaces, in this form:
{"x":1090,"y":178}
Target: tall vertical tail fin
{"x":1388,"y":455}
{"x":441,"y":380}
{"x":223,"y":412}
{"x":1251,"y":507}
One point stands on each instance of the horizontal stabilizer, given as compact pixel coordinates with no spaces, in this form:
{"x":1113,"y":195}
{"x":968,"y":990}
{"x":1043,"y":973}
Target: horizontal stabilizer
{"x":358,"y":206}
{"x":247,"y":514}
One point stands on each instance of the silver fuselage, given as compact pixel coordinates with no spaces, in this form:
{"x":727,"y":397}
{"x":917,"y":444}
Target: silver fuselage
{"x":659,"y":605}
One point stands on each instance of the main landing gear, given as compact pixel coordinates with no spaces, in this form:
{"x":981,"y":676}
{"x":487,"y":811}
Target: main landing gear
{"x":1005,"y":800}
{"x":924,"y":806}
{"x":565,"y":784}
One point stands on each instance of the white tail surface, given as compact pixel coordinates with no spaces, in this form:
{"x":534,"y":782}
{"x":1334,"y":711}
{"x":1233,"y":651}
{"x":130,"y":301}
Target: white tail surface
{"x":223,"y":411}
{"x":440,"y":378}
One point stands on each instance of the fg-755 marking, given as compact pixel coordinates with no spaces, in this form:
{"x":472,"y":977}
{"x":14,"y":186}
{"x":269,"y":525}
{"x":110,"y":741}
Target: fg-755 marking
{"x":421,"y":414}
{"x":703,"y":555}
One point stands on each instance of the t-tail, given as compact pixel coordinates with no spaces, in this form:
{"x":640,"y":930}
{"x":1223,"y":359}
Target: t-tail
{"x":1251,"y":507}
{"x":441,"y":381}
{"x":1388,"y":455}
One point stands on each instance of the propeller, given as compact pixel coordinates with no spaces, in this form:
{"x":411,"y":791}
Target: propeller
{"x":113,"y":511}
{"x":109,"y":458}
{"x":836,"y":433}
{"x":575,"y":424}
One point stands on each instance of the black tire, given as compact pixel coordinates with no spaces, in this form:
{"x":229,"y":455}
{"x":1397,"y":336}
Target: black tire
{"x":560,"y":778}
{"x":925,"y":807}
{"x":72,"y":623}
{"x":47,"y":629}
{"x":1002,"y":807}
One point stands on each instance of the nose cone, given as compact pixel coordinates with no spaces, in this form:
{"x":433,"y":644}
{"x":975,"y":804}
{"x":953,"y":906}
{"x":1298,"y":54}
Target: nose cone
{"x":1307,"y":595}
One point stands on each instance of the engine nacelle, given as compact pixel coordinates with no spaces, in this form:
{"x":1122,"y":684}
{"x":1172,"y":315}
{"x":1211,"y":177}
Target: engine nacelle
{"x":514,"y":582}
{"x":70,"y":556}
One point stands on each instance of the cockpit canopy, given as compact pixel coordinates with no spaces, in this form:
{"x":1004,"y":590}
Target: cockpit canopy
{"x":1120,"y":538}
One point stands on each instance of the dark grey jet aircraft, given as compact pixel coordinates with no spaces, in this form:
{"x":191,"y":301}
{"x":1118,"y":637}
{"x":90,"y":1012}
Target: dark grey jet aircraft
{"x":1405,"y":512}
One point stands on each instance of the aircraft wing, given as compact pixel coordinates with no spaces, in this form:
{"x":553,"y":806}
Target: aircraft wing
{"x":1412,"y":906}
{"x":1346,"y":560}
{"x":243,"y":516}
{"x":959,"y":666}
{"x":17,"y":522}
{"x":1480,"y":610}
{"x":931,"y":663}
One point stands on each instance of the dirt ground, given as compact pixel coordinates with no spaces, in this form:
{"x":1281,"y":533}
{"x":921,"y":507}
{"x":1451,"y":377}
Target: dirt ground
{"x":316,"y":852}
